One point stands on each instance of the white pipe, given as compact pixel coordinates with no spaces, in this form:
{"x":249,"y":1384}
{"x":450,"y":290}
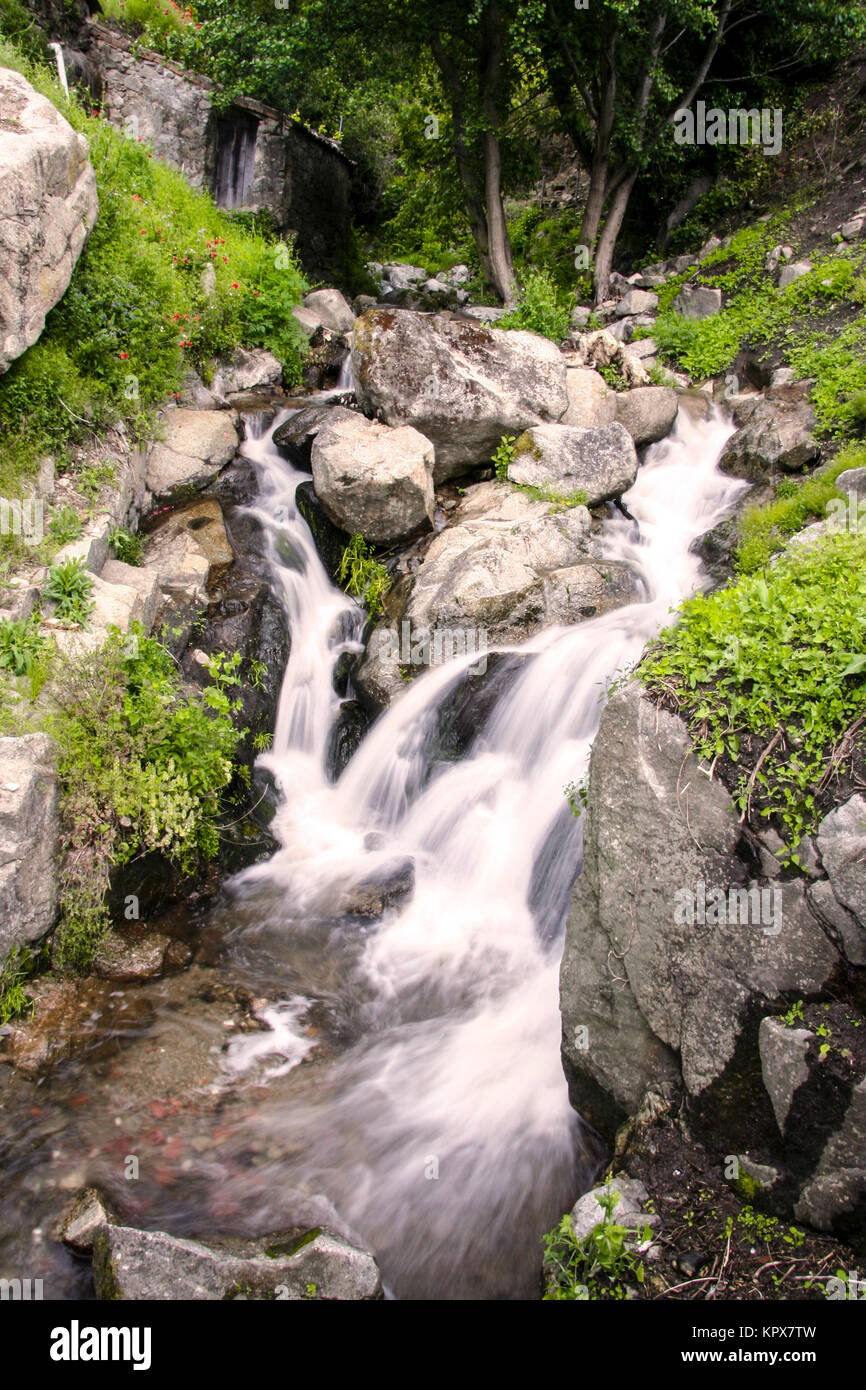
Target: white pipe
{"x":61,"y":66}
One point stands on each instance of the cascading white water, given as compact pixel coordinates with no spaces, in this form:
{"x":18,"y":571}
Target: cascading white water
{"x":442,"y":1132}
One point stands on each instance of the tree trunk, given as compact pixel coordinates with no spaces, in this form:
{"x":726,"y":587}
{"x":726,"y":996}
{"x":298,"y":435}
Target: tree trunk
{"x":609,"y":233}
{"x":499,"y":244}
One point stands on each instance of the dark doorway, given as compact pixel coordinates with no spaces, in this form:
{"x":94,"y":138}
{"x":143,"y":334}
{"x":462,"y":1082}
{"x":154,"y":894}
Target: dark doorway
{"x":235,"y":152}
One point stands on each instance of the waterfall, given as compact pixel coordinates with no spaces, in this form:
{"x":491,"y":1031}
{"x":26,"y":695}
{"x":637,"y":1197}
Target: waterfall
{"x":439,"y":1125}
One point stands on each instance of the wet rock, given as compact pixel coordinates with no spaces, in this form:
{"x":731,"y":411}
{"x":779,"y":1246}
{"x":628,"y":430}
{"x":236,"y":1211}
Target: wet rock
{"x":600,"y":462}
{"x":131,"y":955}
{"x":330,"y":540}
{"x":48,"y":205}
{"x":298,"y":433}
{"x":70,"y":1018}
{"x":372,"y":479}
{"x":29,"y":840}
{"x":151,"y":1265}
{"x":460,"y":384}
{"x":195,"y":445}
{"x":389,"y":886}
{"x":591,"y":402}
{"x":190,"y":550}
{"x":87,"y":1215}
{"x":648,"y":412}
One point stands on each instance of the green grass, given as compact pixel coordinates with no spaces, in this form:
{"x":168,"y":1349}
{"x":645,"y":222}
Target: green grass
{"x":764,"y":531}
{"x":157,"y":16}
{"x":779,"y":656}
{"x":136,"y":315}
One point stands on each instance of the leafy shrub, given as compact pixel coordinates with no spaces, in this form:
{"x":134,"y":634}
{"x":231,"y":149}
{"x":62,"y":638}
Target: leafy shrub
{"x":604,"y":1264}
{"x":362,"y":576}
{"x":142,"y":767}
{"x":22,"y":645}
{"x":65,"y":525}
{"x":127,"y":546}
{"x":69,"y":586}
{"x":780,"y":657}
{"x":503,"y":456}
{"x":543,"y":308}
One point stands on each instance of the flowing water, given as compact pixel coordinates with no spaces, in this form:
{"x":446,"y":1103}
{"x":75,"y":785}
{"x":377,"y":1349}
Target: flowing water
{"x":412,"y":1075}
{"x":444,"y":1134}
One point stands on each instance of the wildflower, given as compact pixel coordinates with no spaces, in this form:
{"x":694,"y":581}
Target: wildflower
{"x":124,"y":356}
{"x":235,"y":285}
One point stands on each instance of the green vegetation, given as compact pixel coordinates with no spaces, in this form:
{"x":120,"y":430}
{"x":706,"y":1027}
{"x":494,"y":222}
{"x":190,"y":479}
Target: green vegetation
{"x":22,"y":644}
{"x":779,"y":659}
{"x":128,"y":546}
{"x":156,"y":17}
{"x":142,"y":766}
{"x":65,"y":525}
{"x":503,"y":456}
{"x":362,"y":576}
{"x":139,"y":312}
{"x":543,"y":308}
{"x":604,"y":1264}
{"x":69,"y":586}
{"x":764,"y":531}
{"x":14,"y":974}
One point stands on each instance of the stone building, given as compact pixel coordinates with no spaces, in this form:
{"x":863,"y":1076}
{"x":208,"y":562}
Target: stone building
{"x":247,"y":156}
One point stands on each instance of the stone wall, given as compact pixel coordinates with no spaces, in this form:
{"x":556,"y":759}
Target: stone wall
{"x":300,"y":178}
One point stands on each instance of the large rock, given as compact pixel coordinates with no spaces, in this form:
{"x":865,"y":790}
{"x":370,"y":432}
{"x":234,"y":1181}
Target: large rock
{"x":648,"y":996}
{"x":647,"y":412}
{"x":29,"y":840}
{"x":190,"y":550}
{"x":637,"y":302}
{"x":142,"y":1266}
{"x":245,"y":370}
{"x":461,"y":384}
{"x":506,"y":567}
{"x":783,"y":1064}
{"x":842,"y":843}
{"x":836,"y":1194}
{"x":591,"y":402}
{"x":778,"y":435}
{"x":48,"y":205}
{"x":299,"y":431}
{"x":331,"y":310}
{"x":373,"y":480}
{"x":195,"y":446}
{"x":698,"y":302}
{"x":600,"y":462}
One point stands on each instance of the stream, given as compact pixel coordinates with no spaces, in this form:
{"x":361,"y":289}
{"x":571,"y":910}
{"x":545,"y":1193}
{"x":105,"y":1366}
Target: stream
{"x":411,"y":1077}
